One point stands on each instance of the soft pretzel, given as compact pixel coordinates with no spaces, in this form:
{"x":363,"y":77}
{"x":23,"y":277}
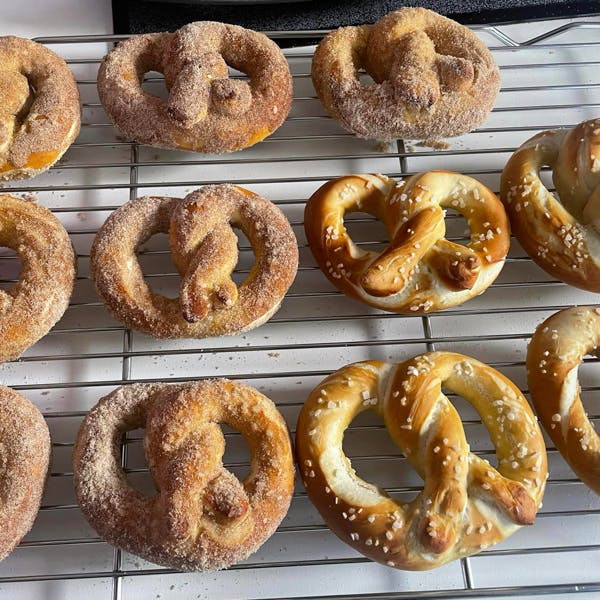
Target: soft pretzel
{"x":561,"y":235}
{"x":433,"y":77}
{"x":553,"y":358}
{"x":24,"y":456}
{"x":420,"y":270}
{"x":41,"y":294}
{"x":206,"y":111}
{"x":39,"y":108}
{"x":466,"y":504}
{"x":201,"y":518}
{"x":204,"y":250}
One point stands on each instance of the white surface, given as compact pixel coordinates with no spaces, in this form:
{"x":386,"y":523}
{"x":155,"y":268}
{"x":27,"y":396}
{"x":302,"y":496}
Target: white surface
{"x":260,"y":356}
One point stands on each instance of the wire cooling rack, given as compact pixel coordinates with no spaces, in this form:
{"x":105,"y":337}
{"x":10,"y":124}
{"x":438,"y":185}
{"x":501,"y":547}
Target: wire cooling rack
{"x":548,"y":81}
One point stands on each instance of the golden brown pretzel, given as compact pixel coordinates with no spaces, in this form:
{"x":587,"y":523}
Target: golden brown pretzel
{"x":420,"y":270}
{"x":433,"y":77}
{"x":202,"y":518}
{"x":204,"y":250}
{"x":24,"y":456}
{"x":39,"y":108}
{"x":206,"y":110}
{"x":553,"y":358}
{"x":466,"y":504}
{"x":41,"y":294}
{"x":561,"y":235}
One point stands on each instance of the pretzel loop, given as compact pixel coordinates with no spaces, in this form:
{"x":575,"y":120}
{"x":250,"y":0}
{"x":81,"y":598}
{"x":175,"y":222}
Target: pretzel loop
{"x":466,"y":504}
{"x":419,"y":270}
{"x":204,"y":248}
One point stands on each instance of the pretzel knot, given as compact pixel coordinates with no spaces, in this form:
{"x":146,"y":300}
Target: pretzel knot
{"x":556,"y":351}
{"x":206,"y":110}
{"x":202,"y":517}
{"x":433,"y":77}
{"x":466,"y":504}
{"x":205,"y":251}
{"x":39,"y":108}
{"x":420,"y":270}
{"x":560,"y":234}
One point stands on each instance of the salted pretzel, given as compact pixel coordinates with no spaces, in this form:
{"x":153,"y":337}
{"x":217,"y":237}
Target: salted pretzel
{"x":31,"y":307}
{"x":466,"y":504}
{"x":25,"y":457}
{"x":420,"y":270}
{"x":204,"y":250}
{"x":433,"y":77}
{"x":553,"y":358}
{"x":39,"y":108}
{"x":201,"y":517}
{"x":206,"y":111}
{"x":562,"y":235}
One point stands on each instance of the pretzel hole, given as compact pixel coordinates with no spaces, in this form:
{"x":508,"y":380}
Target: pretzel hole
{"x":366,"y":231}
{"x":160,"y":274}
{"x":377,"y":459}
{"x":477,"y":434}
{"x":10,"y":268}
{"x":457,"y":228}
{"x":246,"y":257}
{"x":589,"y":380}
{"x":153,"y":83}
{"x":136,"y":469}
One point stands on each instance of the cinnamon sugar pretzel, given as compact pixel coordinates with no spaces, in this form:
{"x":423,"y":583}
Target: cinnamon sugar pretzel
{"x":420,"y":270}
{"x":466,"y":505}
{"x":204,"y":250}
{"x":206,"y":111}
{"x":39,"y":108}
{"x":202,"y":517}
{"x":433,"y":77}
{"x":562,"y":235}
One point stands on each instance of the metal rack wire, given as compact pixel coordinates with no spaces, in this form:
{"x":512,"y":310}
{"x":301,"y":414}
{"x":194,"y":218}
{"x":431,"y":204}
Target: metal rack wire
{"x":550,"y":80}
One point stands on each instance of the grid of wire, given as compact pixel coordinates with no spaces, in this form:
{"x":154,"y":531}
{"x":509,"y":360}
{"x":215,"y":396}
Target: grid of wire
{"x":548,"y":81}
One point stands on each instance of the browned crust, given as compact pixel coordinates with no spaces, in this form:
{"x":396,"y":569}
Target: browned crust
{"x":41,"y":294}
{"x":179,"y":420}
{"x":557,"y":348}
{"x":146,"y":118}
{"x":466,"y":505}
{"x":558,"y":234}
{"x":36,"y":128}
{"x":24,"y":458}
{"x":417,"y":93}
{"x":420,"y":271}
{"x":203,"y":261}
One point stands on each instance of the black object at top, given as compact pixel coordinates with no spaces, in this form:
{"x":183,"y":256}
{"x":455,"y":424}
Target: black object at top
{"x":143,"y":16}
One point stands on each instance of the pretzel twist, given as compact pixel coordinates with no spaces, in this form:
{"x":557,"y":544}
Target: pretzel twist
{"x":433,"y":77}
{"x":204,"y":250}
{"x":420,"y":270}
{"x":561,"y":235}
{"x":39,"y":298}
{"x":206,"y":110}
{"x":466,"y":504}
{"x":553,"y":358}
{"x":39,"y":108}
{"x":25,"y":457}
{"x":202,"y":517}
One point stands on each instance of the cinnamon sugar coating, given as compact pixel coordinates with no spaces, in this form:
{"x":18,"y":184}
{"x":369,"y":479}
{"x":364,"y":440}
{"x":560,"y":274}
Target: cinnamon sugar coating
{"x":204,"y":250}
{"x":41,"y":294}
{"x":433,"y":77}
{"x":206,"y":110}
{"x":202,"y":517}
{"x":40,"y":114}
{"x":24,"y":461}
